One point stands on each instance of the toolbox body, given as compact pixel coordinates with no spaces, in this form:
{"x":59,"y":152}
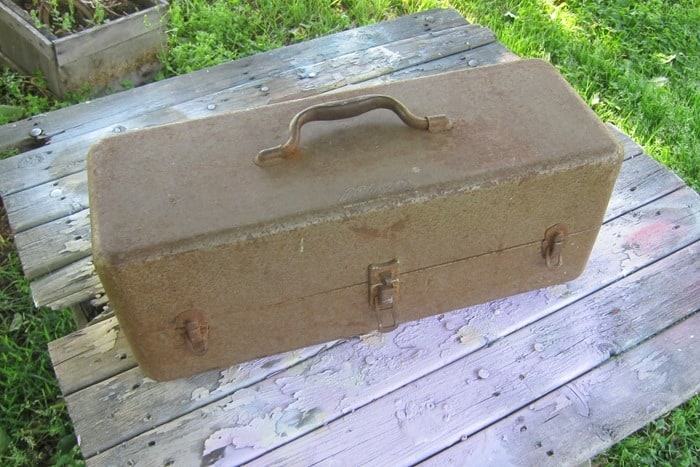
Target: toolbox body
{"x":212,"y":253}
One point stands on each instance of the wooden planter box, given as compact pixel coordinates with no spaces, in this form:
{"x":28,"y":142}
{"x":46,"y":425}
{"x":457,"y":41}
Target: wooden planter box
{"x":105,"y":56}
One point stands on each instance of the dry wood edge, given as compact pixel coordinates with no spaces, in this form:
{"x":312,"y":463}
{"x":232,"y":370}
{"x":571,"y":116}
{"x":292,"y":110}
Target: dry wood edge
{"x":136,"y":26}
{"x":544,"y":356}
{"x":678,"y":209}
{"x":71,"y":377}
{"x":66,"y":153}
{"x":641,"y":179}
{"x":64,"y":157}
{"x":591,"y":413}
{"x":614,"y":258}
{"x":47,"y":201}
{"x":332,"y":403}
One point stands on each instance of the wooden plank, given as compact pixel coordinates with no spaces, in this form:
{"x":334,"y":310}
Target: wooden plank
{"x":113,"y":108}
{"x":659,"y":181}
{"x":488,"y":54}
{"x":630,"y":146}
{"x":51,"y":246}
{"x":47,"y":202}
{"x":614,"y":256}
{"x":68,"y":157}
{"x":24,"y":45}
{"x":421,"y":411}
{"x":77,"y":282}
{"x":642,"y":179}
{"x":143,"y":106}
{"x":593,"y":412}
{"x":156,"y":404}
{"x":108,"y":55}
{"x":442,"y":339}
{"x":75,"y":47}
{"x":100,"y":349}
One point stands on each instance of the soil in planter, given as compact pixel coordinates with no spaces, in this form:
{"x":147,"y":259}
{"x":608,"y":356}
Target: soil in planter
{"x":64,"y":17}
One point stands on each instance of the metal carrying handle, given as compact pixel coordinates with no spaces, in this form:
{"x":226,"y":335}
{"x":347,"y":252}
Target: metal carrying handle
{"x":346,"y":109}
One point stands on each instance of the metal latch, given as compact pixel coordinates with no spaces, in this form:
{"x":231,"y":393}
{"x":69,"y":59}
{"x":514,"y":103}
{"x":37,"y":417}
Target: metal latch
{"x":195,"y":329}
{"x":553,"y":245}
{"x":384,"y":293}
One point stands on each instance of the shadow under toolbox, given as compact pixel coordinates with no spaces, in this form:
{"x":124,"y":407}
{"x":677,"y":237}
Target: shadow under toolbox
{"x":214,"y":252}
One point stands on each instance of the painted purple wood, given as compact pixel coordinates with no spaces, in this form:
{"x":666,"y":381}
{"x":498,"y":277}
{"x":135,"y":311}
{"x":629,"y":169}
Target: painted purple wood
{"x":601,"y":407}
{"x":413,"y":422}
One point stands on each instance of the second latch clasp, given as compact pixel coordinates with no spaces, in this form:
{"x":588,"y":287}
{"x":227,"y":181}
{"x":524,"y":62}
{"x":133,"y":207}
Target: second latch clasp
{"x":384,"y":292}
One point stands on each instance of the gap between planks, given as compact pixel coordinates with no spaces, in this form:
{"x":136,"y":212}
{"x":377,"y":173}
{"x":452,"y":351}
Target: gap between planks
{"x":431,"y":414}
{"x":56,"y":192}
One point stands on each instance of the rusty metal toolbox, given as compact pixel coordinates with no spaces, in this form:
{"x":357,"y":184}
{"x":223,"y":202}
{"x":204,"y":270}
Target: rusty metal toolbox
{"x":214,"y":250}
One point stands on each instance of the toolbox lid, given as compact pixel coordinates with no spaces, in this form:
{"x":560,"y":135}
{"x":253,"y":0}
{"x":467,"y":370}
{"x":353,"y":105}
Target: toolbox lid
{"x":158,"y":188}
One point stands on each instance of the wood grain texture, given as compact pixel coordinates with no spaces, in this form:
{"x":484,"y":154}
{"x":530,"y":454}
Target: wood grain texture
{"x":644,"y":179}
{"x":65,"y":196}
{"x":631,"y":147}
{"x":77,"y":282}
{"x":98,"y":351}
{"x":50,"y":246}
{"x":594,"y":411}
{"x":125,"y":397}
{"x":378,"y":364}
{"x":25,"y":46}
{"x":550,"y":356}
{"x":47,"y":202}
{"x":20,"y":204}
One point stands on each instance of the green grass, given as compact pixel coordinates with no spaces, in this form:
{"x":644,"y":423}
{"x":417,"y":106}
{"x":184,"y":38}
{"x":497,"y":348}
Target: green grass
{"x":35,"y":429}
{"x":636,"y":63}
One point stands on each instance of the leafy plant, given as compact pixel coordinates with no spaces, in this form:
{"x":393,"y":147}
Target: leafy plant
{"x":23,"y":96}
{"x":63,"y":17}
{"x":33,"y":414}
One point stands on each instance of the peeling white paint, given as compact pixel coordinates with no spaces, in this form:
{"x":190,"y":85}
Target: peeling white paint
{"x":199,"y":394}
{"x":422,"y":421}
{"x":647,"y":370}
{"x":106,"y":342}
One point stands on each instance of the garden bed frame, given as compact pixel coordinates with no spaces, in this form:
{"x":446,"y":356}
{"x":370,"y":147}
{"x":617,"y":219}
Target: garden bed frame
{"x":118,"y":53}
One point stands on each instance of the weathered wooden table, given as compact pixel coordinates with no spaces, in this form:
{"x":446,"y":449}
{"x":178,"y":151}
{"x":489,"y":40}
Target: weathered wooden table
{"x":550,"y":377}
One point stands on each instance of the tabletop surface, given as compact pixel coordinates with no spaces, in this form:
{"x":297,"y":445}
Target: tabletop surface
{"x":549,"y":377}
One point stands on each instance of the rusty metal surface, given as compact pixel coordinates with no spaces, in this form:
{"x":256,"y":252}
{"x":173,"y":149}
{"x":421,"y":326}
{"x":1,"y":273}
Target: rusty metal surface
{"x":278,"y":256}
